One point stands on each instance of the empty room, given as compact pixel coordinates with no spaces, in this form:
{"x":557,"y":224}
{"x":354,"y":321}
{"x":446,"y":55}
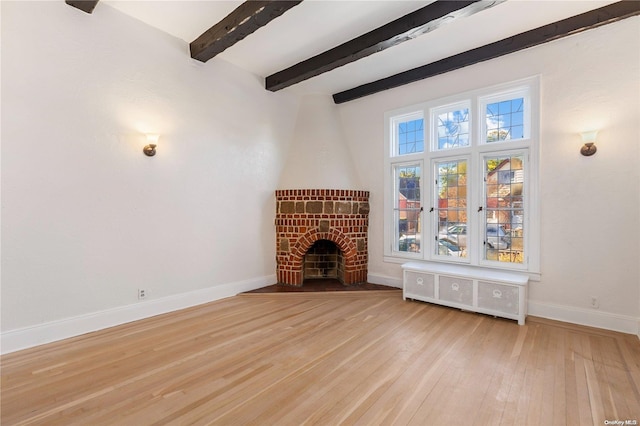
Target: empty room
{"x":320,"y":212}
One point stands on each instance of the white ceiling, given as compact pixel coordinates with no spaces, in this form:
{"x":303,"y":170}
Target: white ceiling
{"x":318,"y":25}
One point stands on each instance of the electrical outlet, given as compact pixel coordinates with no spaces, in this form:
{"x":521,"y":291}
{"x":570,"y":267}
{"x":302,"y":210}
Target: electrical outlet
{"x":142,"y":294}
{"x":594,"y":302}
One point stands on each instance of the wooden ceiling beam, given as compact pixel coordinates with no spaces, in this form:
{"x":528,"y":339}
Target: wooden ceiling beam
{"x":410,"y":26}
{"x":566,"y":27}
{"x":83,"y":5}
{"x":244,"y":20}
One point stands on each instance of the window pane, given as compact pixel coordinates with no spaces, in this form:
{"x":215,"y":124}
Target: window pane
{"x":408,"y":208}
{"x":410,"y":136}
{"x":504,"y":209}
{"x":505,"y":120}
{"x":451,"y":192}
{"x":453,"y":128}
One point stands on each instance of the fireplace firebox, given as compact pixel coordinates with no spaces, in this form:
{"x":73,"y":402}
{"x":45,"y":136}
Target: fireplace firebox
{"x":323,"y":260}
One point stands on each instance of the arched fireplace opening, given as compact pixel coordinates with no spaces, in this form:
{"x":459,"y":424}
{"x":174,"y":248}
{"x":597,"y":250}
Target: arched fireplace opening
{"x":323,"y":260}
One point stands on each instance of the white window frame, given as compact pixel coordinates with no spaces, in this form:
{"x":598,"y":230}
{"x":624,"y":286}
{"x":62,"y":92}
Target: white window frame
{"x":478,"y":149}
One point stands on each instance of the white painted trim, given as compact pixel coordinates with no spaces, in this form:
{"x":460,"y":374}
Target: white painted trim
{"x":15,"y":340}
{"x":588,"y":317}
{"x":385,"y":280}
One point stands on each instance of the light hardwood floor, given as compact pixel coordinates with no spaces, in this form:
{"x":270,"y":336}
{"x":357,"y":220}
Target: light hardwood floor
{"x":361,"y":358}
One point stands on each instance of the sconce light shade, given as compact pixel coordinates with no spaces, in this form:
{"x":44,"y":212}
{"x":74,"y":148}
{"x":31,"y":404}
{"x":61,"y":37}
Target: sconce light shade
{"x":150,"y":148}
{"x":589,"y":139}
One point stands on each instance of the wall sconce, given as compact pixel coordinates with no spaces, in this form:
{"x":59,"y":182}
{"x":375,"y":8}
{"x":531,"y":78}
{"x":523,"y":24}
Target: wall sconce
{"x":150,"y":149}
{"x":589,"y":139}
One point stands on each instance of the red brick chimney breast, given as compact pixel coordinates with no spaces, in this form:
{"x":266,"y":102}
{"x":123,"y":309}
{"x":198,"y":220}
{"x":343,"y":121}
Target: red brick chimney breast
{"x":304,"y":216}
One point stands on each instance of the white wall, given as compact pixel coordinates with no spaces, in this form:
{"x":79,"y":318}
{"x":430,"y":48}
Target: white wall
{"x":87,"y":219}
{"x":319,"y":157}
{"x":590,"y":205}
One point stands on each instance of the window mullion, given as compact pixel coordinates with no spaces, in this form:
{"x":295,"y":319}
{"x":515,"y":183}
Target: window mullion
{"x":475,"y":202}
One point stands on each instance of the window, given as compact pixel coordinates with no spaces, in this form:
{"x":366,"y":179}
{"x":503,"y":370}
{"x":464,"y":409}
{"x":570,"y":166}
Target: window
{"x":451,"y":203}
{"x":451,"y":126}
{"x":407,"y":209}
{"x":504,"y":120}
{"x":408,"y":134}
{"x":461,"y":181}
{"x":504,"y":208}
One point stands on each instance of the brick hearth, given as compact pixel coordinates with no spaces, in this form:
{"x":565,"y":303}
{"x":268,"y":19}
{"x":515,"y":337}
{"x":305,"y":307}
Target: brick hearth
{"x":304,"y":216}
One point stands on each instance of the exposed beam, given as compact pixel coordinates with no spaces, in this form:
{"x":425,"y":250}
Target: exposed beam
{"x":83,"y":5}
{"x":566,"y":27}
{"x":410,"y":26}
{"x":244,"y":20}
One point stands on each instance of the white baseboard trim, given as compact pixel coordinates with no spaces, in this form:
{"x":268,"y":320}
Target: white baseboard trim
{"x":570,"y":314}
{"x":588,"y":317}
{"x":15,"y":340}
{"x":384,"y":280}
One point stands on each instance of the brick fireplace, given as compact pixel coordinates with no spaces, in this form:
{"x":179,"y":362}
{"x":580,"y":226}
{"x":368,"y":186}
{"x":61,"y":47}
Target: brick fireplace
{"x":307,"y":218}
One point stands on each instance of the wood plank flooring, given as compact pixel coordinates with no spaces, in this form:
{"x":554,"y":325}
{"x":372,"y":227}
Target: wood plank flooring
{"x":352,"y":358}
